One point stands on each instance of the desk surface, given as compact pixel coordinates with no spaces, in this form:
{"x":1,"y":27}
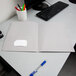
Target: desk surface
{"x":19,"y":59}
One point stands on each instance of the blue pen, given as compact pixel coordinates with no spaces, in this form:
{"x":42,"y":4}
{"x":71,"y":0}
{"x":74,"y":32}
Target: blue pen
{"x":36,"y":70}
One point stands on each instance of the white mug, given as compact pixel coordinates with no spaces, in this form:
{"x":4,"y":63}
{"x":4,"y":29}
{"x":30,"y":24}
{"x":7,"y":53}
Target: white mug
{"x":22,"y":15}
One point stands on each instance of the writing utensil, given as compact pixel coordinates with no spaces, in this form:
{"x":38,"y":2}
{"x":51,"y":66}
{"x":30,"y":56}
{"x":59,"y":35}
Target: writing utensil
{"x":23,"y":7}
{"x":19,"y":7}
{"x":36,"y":70}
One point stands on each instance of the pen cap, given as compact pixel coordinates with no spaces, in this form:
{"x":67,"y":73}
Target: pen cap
{"x":43,"y":63}
{"x":22,"y":15}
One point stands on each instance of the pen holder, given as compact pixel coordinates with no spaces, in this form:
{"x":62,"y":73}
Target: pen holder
{"x":22,"y":15}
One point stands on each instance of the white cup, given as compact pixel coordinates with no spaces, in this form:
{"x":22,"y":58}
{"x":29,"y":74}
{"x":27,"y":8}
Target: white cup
{"x":22,"y":15}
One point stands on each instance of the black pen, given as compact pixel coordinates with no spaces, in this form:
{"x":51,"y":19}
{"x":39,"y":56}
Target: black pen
{"x":19,"y":7}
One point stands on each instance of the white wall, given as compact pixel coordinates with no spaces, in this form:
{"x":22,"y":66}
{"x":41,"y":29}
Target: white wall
{"x":7,"y":9}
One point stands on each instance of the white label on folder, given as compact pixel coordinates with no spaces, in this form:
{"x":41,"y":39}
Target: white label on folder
{"x":22,"y":43}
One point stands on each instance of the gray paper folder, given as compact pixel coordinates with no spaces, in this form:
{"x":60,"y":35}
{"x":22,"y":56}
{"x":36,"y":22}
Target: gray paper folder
{"x":22,"y":36}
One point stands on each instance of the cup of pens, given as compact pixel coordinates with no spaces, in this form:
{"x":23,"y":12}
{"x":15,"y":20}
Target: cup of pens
{"x":21,"y":12}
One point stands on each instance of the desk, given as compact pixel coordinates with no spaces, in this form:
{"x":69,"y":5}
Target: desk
{"x":25,"y":63}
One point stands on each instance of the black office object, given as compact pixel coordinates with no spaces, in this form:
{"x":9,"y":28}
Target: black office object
{"x":1,"y":35}
{"x":6,"y":69}
{"x":40,"y":6}
{"x":52,"y":10}
{"x":73,"y":1}
{"x":35,"y":4}
{"x":75,"y":47}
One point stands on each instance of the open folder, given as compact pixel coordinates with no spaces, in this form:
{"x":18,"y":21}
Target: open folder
{"x":29,"y":36}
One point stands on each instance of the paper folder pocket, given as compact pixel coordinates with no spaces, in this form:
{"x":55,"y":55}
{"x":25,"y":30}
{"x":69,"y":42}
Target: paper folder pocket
{"x":22,"y":43}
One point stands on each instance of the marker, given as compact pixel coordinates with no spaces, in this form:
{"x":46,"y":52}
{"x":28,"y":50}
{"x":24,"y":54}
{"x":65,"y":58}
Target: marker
{"x":22,"y":7}
{"x":36,"y":70}
{"x":17,"y":8}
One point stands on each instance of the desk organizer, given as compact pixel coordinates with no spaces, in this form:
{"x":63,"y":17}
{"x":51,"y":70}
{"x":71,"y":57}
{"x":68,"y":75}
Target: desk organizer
{"x":22,"y":15}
